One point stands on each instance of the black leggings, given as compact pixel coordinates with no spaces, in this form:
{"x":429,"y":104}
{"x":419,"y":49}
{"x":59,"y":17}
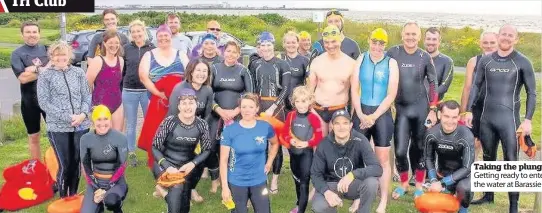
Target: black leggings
{"x":300,"y":163}
{"x":66,"y":146}
{"x":112,"y":200}
{"x":259,"y":200}
{"x":499,"y":123}
{"x":409,"y":131}
{"x":216,"y":124}
{"x":381,"y":131}
{"x":279,"y":114}
{"x":462,"y":189}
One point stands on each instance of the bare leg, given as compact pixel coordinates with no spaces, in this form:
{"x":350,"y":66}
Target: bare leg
{"x":34,"y":145}
{"x":214,"y":185}
{"x":383,"y":156}
{"x":196,"y":197}
{"x":118,"y":119}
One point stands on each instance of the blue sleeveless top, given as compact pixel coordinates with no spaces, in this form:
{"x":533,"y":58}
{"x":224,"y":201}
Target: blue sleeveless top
{"x":374,"y":80}
{"x":158,"y":71}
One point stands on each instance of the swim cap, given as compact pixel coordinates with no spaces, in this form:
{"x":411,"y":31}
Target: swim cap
{"x":304,"y":34}
{"x":379,"y":34}
{"x":334,"y":12}
{"x":100,"y":111}
{"x":187,"y":92}
{"x":163,"y":28}
{"x":332,"y":32}
{"x":209,"y":36}
{"x":266,"y":37}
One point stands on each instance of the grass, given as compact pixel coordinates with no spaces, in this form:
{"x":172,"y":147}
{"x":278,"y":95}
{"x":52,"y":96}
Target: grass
{"x":13,"y":35}
{"x":141,"y":183}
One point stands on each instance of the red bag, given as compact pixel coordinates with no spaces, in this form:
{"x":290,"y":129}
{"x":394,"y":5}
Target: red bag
{"x":27,"y":184}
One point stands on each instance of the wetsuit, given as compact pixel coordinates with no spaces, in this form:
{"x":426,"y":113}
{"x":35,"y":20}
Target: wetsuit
{"x":174,"y":146}
{"x":30,"y":110}
{"x":333,"y":161}
{"x":299,"y":72}
{"x":412,"y":105}
{"x":272,"y":82}
{"x":455,"y":153}
{"x":104,"y":160}
{"x":444,"y":67}
{"x":229,"y":83}
{"x":478,"y":104}
{"x":62,"y":94}
{"x":246,"y":164}
{"x":504,"y":77}
{"x":214,"y":60}
{"x":303,"y":127}
{"x":106,"y":86}
{"x":374,"y":81}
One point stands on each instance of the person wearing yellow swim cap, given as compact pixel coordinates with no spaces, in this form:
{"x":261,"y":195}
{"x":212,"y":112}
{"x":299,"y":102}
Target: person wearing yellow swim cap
{"x":348,"y":45}
{"x":305,"y":43}
{"x":103,"y":154}
{"x":377,"y":76}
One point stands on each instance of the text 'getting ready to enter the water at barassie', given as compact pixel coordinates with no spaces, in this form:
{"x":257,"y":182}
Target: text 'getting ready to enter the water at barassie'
{"x":506,"y":176}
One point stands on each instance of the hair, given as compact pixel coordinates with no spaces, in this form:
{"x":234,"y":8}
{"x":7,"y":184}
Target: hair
{"x":250,"y":96}
{"x":109,"y":34}
{"x":449,"y":104}
{"x":234,"y":44}
{"x":109,"y":11}
{"x":410,"y":23}
{"x":213,"y":22}
{"x":138,"y":23}
{"x":62,"y":47}
{"x":192,"y":66}
{"x":433,"y":30}
{"x":28,"y":24}
{"x":302,"y":92}
{"x":170,"y":16}
{"x":486,"y":32}
{"x":290,"y":33}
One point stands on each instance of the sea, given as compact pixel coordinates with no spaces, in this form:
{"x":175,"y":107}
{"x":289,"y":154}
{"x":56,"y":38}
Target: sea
{"x":523,"y":23}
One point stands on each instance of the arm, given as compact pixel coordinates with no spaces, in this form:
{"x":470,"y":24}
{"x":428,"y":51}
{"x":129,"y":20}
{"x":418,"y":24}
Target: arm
{"x":174,"y":98}
{"x":122,"y":153}
{"x":313,"y":79}
{"x":357,"y":51}
{"x":44,"y":100}
{"x":393,"y":84}
{"x":205,"y":142}
{"x":225,"y":147}
{"x":355,"y":88}
{"x":479,"y":77}
{"x":86,"y":162}
{"x":287,"y":126}
{"x":208,"y":105}
{"x":448,"y":77}
{"x":528,"y":79}
{"x":18,"y":68}
{"x":431,"y":75}
{"x":94,"y":67}
{"x":86,"y":96}
{"x":468,"y":84}
{"x":429,"y":155}
{"x":318,"y":169}
{"x":372,"y":165}
{"x":284,"y":82}
{"x":184,"y":58}
{"x":93,"y":45}
{"x":159,"y":141}
{"x":468,"y":159}
{"x":272,"y":138}
{"x":123,"y":68}
{"x":317,"y":134}
{"x":248,"y":80}
{"x":144,"y":68}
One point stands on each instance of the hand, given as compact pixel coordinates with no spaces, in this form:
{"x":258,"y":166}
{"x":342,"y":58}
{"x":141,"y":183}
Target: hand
{"x":223,"y":114}
{"x":99,"y":195}
{"x":78,"y":119}
{"x":371,"y":119}
{"x":162,"y":95}
{"x":226,"y":193}
{"x":269,"y":112}
{"x":231,"y":113}
{"x":332,"y":199}
{"x":293,"y":142}
{"x":268,"y":167}
{"x":526,"y":127}
{"x":30,"y":69}
{"x":344,"y":183}
{"x":363,"y":124}
{"x":435,"y":187}
{"x":187,"y":168}
{"x":301,"y":144}
{"x":468,"y":119}
{"x":171,"y":170}
{"x":432,"y":116}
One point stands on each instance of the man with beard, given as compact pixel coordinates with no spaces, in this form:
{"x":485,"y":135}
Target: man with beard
{"x":27,"y":62}
{"x":348,"y":46}
{"x":178,"y":40}
{"x":110,"y":20}
{"x":505,"y":72}
{"x":444,"y":65}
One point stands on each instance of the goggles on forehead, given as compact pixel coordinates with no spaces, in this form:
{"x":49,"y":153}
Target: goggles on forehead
{"x":334,"y":12}
{"x":331,"y":33}
{"x":189,"y":97}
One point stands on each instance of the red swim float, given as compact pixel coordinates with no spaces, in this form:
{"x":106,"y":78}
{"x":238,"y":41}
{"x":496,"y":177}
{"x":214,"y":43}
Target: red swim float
{"x":276,"y":124}
{"x":66,"y":205}
{"x":433,"y":202}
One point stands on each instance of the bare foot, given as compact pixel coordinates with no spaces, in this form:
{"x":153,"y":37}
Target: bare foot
{"x":396,"y":195}
{"x":214,"y":186}
{"x":311,"y":194}
{"x":205,"y":173}
{"x":160,"y":191}
{"x":354,"y":207}
{"x":274,"y":189}
{"x":196,"y":197}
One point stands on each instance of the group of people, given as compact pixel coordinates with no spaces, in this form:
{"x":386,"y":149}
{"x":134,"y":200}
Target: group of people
{"x":335,"y":101}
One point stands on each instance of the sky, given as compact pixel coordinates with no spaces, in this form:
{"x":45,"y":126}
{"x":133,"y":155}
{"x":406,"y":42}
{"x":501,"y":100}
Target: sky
{"x":433,"y":6}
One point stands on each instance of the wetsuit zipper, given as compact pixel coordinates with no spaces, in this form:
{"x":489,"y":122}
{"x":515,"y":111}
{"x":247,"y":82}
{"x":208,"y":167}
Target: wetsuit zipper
{"x":69,"y":95}
{"x":373,"y":85}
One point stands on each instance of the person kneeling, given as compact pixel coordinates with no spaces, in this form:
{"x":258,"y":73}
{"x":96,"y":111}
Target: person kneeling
{"x":344,"y":166}
{"x":103,"y":155}
{"x":454,"y":146}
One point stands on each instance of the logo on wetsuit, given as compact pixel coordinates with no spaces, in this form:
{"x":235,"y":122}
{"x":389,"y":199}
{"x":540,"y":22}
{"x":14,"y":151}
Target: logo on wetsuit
{"x":444,"y":146}
{"x":499,"y":70}
{"x":407,"y":65}
{"x":186,"y":139}
{"x":107,"y":149}
{"x":342,"y":166}
{"x":227,"y":79}
{"x":300,"y":125}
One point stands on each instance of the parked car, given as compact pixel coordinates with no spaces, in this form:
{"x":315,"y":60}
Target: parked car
{"x":80,"y":40}
{"x":246,"y":49}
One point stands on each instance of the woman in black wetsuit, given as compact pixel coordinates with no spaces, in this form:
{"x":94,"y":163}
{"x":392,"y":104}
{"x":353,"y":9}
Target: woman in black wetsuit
{"x":175,"y":149}
{"x":103,"y":155}
{"x":230,"y":80}
{"x":197,"y":77}
{"x":298,"y":63}
{"x":272,"y":81}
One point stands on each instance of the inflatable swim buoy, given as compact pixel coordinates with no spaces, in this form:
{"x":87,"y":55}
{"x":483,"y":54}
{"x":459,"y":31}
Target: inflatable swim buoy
{"x":432,"y":202}
{"x":66,"y":205}
{"x":276,"y":124}
{"x":51,"y":162}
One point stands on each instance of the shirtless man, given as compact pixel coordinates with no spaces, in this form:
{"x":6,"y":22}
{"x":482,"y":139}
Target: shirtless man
{"x":330,"y":76}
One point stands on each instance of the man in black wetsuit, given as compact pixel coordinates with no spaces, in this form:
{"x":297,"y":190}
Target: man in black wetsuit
{"x":444,"y":65}
{"x":272,"y":83}
{"x":348,"y":45}
{"x":414,"y":106}
{"x":26,"y":62}
{"x":505,"y":72}
{"x":454,"y":147}
{"x":175,"y":149}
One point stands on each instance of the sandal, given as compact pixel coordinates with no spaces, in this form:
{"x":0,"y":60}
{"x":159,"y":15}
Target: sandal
{"x":399,"y":191}
{"x":274,"y":191}
{"x":418,"y":192}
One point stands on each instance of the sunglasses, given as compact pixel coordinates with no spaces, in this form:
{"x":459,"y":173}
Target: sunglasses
{"x":374,"y":41}
{"x":332,"y":33}
{"x":214,"y":29}
{"x":334,"y":12}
